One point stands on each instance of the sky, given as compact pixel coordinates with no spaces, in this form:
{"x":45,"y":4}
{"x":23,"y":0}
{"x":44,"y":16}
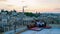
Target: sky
{"x":50,"y":6}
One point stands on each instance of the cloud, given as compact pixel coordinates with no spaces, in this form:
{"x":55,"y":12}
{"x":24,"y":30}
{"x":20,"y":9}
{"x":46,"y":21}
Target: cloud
{"x":39,"y":5}
{"x":2,"y":0}
{"x":57,"y":9}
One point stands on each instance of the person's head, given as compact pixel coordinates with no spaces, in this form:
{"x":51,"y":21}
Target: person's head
{"x":37,"y":20}
{"x":32,"y":21}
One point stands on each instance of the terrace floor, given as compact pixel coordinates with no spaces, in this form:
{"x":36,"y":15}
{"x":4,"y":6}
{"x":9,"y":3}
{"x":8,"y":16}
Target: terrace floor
{"x":44,"y":31}
{"x":54,"y":30}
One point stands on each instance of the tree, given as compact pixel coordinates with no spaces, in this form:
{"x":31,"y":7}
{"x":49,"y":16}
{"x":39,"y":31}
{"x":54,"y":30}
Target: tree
{"x":2,"y":10}
{"x":31,"y":14}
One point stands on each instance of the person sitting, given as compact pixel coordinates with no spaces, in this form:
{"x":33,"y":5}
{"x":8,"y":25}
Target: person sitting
{"x":31,"y":26}
{"x":37,"y":23}
{"x":40,"y":24}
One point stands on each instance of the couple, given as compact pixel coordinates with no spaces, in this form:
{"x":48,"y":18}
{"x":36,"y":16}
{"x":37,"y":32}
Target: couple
{"x":40,"y":23}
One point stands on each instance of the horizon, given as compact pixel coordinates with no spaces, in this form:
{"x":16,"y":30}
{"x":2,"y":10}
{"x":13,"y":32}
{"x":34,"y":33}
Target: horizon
{"x":29,"y":11}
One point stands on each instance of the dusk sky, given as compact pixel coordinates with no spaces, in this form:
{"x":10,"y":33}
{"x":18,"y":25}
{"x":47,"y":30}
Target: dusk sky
{"x":31,"y":5}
